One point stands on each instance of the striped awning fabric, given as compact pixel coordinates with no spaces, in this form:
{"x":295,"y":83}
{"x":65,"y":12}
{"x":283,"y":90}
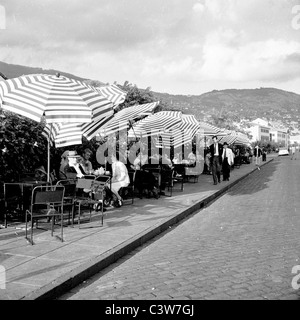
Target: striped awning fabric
{"x":181,"y":133}
{"x":211,"y":130}
{"x":113,"y":93}
{"x":122,"y":119}
{"x":234,"y":137}
{"x":67,"y":134}
{"x":156,"y":124}
{"x":56,"y":98}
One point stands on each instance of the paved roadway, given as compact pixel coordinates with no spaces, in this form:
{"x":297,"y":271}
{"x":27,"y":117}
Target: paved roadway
{"x":242,"y":246}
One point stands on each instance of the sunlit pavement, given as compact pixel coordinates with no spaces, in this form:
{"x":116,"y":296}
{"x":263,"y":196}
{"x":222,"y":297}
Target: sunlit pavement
{"x":50,"y":267}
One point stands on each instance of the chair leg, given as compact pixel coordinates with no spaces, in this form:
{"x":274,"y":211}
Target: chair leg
{"x":52,"y":225}
{"x":61,"y":227}
{"x":31,"y":231}
{"x":26,"y":225}
{"x":79,"y":216}
{"x":72,"y":212}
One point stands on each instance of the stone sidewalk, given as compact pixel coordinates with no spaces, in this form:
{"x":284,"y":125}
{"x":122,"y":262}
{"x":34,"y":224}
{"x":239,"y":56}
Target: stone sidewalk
{"x":50,"y":267}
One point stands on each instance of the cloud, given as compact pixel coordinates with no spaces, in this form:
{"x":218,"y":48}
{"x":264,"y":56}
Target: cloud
{"x":172,"y":44}
{"x":267,"y":60}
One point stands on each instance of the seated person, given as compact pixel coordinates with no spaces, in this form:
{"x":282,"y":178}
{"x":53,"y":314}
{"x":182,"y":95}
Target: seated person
{"x":40,"y":174}
{"x":192,"y":159}
{"x":73,"y":169}
{"x":86,"y":163}
{"x":63,"y":163}
{"x":120,"y":178}
{"x":144,"y":180}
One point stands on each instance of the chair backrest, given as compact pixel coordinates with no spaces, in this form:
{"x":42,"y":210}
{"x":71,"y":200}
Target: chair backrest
{"x":70,"y":187}
{"x":48,"y":194}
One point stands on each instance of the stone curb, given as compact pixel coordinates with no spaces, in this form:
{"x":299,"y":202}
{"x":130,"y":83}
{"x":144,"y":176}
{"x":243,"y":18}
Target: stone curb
{"x":73,"y":278}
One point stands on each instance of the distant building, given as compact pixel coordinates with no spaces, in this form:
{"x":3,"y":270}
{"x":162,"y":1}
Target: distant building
{"x":295,"y":140}
{"x":259,"y":130}
{"x":279,"y":136}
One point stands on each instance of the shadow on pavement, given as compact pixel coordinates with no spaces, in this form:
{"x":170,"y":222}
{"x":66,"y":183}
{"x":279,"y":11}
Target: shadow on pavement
{"x":256,"y":182}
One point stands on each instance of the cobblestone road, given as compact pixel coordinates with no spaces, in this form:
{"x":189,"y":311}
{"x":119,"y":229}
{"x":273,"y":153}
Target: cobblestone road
{"x":243,"y":246}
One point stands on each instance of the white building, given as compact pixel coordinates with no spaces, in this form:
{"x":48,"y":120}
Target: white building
{"x":295,"y":140}
{"x":279,"y":136}
{"x":263,"y":130}
{"x":259,"y":130}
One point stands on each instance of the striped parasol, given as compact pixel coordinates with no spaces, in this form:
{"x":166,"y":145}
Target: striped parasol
{"x":123,"y":118}
{"x":67,"y":134}
{"x":210,"y":130}
{"x":234,"y":137}
{"x":156,"y":124}
{"x":181,"y":133}
{"x":113,"y":93}
{"x":52,"y":97}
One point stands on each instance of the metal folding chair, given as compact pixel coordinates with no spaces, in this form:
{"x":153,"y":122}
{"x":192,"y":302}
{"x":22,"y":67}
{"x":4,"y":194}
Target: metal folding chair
{"x":70,"y":194}
{"x":128,"y":192}
{"x":89,"y":193}
{"x":46,"y":202}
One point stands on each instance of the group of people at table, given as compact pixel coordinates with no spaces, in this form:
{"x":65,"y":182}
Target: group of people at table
{"x":145,"y":182}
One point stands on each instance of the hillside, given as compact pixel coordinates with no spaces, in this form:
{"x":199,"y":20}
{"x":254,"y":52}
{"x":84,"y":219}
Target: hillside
{"x":13,"y":70}
{"x":270,"y":103}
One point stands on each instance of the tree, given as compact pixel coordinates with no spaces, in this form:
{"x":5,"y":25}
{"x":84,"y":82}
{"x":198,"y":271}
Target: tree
{"x":22,"y":146}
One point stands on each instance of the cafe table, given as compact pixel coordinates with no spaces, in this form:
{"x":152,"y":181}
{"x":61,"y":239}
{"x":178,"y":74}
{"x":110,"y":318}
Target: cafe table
{"x":17,"y":197}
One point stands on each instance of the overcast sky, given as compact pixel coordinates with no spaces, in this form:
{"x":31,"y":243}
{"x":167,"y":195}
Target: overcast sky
{"x":173,"y":46}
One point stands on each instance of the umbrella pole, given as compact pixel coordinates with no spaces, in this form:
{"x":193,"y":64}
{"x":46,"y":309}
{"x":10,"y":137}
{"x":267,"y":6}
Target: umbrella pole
{"x":48,"y":162}
{"x":48,"y":155}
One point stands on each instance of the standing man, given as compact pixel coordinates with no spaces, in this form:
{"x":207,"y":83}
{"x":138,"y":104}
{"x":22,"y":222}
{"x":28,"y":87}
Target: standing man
{"x":257,"y":155}
{"x":216,"y":150}
{"x":227,"y":161}
{"x":293,"y":151}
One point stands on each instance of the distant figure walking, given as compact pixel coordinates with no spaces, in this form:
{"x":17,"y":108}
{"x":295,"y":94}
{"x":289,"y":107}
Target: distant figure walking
{"x":228,"y":161}
{"x":257,"y":154}
{"x":293,"y":152}
{"x":216,"y":150}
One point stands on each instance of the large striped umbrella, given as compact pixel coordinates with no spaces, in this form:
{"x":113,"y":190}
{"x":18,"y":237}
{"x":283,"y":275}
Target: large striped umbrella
{"x":122,"y":119}
{"x":113,"y":93}
{"x":67,"y":134}
{"x":181,"y":133}
{"x":54,"y":98}
{"x":211,"y":130}
{"x":234,"y":137}
{"x":156,"y":124}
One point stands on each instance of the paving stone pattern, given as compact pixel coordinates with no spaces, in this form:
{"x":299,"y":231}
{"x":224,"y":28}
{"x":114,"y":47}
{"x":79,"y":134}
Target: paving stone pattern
{"x":243,"y":246}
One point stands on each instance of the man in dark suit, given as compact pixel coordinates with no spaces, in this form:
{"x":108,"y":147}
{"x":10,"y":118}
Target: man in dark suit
{"x":216,"y":151}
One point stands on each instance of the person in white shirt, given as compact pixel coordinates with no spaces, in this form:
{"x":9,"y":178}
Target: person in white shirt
{"x":257,"y":155}
{"x":120,"y":178}
{"x":227,"y":161}
{"x":293,"y":151}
